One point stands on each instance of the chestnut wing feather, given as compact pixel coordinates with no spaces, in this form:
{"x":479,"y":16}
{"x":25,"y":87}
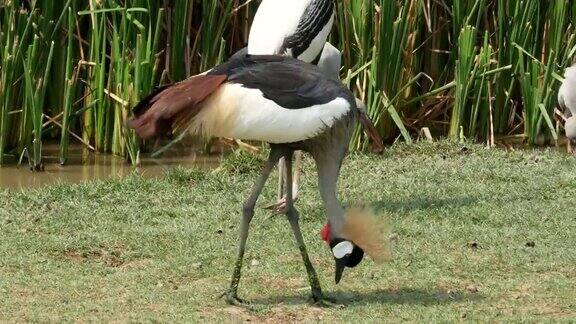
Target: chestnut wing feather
{"x":155,"y":114}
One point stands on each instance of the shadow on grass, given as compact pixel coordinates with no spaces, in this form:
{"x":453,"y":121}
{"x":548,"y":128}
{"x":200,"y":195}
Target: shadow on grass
{"x":423,"y":203}
{"x":402,"y":296}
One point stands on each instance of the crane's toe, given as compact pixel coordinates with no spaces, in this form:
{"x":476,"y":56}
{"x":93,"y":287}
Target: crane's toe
{"x":326,"y":302}
{"x":232,"y":299}
{"x":279,"y":207}
{"x":320,"y":300}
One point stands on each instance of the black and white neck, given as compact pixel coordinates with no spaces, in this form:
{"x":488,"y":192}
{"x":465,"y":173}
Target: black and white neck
{"x":297,"y":28}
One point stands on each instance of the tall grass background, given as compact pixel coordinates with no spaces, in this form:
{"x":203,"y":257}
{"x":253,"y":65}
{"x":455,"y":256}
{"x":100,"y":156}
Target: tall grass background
{"x":70,"y":70}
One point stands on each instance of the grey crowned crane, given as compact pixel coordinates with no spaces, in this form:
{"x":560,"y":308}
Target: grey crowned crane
{"x":292,"y":106}
{"x":567,"y":100}
{"x":299,"y":29}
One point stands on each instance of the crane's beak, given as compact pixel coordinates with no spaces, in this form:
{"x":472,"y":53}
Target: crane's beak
{"x":340,"y":266}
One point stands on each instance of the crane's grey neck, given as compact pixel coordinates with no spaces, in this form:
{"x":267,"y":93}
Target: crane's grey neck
{"x":330,"y":61}
{"x":328,"y":172}
{"x":329,"y":150}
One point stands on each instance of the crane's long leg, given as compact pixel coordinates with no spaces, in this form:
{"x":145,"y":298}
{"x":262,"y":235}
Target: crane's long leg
{"x":293,"y":218}
{"x":281,"y":177}
{"x":297,"y":174}
{"x":247,"y":214}
{"x":280,"y":205}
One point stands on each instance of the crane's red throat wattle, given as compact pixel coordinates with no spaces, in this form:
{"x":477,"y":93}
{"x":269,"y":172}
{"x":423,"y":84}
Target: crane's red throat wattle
{"x":325,"y":233}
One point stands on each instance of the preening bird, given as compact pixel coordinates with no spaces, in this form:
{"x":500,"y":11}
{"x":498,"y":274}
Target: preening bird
{"x":299,"y":29}
{"x":567,"y":100}
{"x":292,"y":106}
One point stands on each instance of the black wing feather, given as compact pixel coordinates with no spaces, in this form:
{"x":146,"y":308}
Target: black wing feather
{"x":288,"y":82}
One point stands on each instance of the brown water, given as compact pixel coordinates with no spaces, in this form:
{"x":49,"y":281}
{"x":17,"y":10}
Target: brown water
{"x":85,"y":166}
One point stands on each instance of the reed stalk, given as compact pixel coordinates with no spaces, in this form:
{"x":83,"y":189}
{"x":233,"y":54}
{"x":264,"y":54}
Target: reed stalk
{"x":481,"y":69}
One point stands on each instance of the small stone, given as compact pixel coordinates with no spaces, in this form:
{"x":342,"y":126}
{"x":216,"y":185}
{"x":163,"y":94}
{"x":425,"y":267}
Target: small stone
{"x":472,"y":289}
{"x":254,"y":262}
{"x":474,"y":245}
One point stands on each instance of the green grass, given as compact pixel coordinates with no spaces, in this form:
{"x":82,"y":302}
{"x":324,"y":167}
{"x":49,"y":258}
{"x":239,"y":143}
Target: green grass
{"x":479,"y":235}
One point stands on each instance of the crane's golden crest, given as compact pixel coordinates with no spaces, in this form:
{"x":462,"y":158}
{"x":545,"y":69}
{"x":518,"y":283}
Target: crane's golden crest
{"x":370,"y":232}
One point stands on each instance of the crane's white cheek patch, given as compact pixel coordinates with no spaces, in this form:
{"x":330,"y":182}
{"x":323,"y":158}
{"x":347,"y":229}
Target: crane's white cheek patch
{"x":244,"y":113}
{"x":342,"y":249}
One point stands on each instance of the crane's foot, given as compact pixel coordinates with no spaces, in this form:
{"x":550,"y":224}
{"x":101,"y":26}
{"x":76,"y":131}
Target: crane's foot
{"x":231,"y":298}
{"x":235,"y":301}
{"x":322,"y":301}
{"x":279,"y":207}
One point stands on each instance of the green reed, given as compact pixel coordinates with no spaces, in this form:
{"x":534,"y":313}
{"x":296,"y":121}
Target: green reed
{"x":70,"y":71}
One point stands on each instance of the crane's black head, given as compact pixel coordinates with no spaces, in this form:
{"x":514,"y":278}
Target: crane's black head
{"x":346,"y":254}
